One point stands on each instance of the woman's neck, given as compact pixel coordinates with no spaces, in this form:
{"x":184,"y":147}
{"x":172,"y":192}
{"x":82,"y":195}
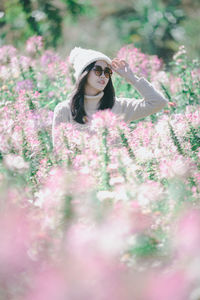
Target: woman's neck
{"x":90,"y":91}
{"x":91,"y":101}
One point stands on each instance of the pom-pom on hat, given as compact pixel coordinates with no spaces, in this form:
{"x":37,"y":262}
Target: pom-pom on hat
{"x":81,"y":58}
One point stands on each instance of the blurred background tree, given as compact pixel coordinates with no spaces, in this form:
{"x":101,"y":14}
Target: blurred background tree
{"x":155,"y":26}
{"x":21,"y":19}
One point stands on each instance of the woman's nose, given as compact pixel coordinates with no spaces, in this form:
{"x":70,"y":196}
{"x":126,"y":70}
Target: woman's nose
{"x":102,"y":75}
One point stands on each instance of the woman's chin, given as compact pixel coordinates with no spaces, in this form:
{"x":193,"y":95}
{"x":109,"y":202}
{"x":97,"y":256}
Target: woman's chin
{"x":100,"y":89}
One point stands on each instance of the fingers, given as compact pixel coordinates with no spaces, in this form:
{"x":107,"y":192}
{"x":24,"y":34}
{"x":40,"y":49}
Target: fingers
{"x":118,"y":63}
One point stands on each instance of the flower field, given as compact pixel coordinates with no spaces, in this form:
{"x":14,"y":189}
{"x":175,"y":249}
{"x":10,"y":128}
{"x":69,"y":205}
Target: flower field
{"x":109,"y":214}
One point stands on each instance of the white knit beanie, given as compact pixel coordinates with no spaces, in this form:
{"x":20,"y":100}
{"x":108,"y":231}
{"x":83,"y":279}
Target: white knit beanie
{"x":81,"y":58}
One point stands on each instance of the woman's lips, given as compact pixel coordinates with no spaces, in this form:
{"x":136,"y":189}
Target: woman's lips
{"x":101,"y":82}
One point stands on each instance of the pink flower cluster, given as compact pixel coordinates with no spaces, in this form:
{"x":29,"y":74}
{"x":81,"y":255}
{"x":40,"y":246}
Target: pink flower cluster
{"x":140,"y":63}
{"x":34,"y":44}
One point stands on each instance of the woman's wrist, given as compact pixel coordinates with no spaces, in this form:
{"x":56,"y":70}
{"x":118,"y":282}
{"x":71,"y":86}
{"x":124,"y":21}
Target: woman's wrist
{"x":133,"y":79}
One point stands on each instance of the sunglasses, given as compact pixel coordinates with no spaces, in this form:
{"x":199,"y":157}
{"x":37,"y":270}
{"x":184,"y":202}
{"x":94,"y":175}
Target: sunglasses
{"x":98,"y":71}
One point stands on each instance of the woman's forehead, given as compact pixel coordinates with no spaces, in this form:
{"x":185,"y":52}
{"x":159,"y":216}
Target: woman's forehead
{"x":101,"y":63}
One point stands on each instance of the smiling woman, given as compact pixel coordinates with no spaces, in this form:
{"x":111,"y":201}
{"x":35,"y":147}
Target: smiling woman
{"x":94,"y":91}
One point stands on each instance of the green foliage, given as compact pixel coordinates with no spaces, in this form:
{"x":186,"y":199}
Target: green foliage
{"x":166,"y":91}
{"x":25,"y":18}
{"x":175,"y":140}
{"x":25,"y":151}
{"x":179,"y":191}
{"x":156,"y":27}
{"x":194,"y":138}
{"x":153,"y":26}
{"x":52,"y":28}
{"x":16,"y":23}
{"x":125,"y":143}
{"x":26,"y":6}
{"x":151,"y":169}
{"x":67,"y":210}
{"x":144,"y":245}
{"x":77,"y":8}
{"x":45,"y":142}
{"x":183,"y":67}
{"x":105,"y":176}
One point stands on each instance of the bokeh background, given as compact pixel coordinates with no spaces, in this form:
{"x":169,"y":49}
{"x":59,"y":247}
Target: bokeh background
{"x":155,"y":26}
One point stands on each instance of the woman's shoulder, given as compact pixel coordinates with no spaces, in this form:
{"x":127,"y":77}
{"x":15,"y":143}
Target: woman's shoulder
{"x":62,"y":111}
{"x":63,"y":105}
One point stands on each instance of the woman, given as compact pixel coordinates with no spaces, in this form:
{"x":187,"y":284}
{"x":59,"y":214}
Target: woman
{"x":94,"y":91}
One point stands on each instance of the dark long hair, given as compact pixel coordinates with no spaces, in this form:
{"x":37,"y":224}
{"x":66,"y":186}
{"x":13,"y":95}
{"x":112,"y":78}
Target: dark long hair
{"x":77,"y":97}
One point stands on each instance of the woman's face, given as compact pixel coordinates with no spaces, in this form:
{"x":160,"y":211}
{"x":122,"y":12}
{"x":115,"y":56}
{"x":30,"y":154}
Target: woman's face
{"x":96,"y":84}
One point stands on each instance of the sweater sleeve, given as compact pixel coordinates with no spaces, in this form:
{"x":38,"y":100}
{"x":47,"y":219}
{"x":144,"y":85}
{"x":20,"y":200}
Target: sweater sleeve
{"x":61,"y":114}
{"x":152,"y":102}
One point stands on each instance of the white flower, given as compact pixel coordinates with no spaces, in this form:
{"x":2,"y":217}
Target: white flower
{"x":116,"y":180}
{"x":15,"y":162}
{"x":105,"y":195}
{"x":143,"y":154}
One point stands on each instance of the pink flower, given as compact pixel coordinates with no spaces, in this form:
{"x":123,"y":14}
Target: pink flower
{"x":34,"y":44}
{"x":149,"y":192}
{"x":15,"y":240}
{"x":48,"y":57}
{"x":187,"y":234}
{"x":139,"y":62}
{"x":6,"y":53}
{"x":178,"y":167}
{"x":25,"y":85}
{"x":104,"y":118}
{"x":171,"y":285}
{"x":48,"y":284}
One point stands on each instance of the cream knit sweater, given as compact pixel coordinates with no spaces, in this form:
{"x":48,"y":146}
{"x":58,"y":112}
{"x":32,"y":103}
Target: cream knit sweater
{"x":131,"y":109}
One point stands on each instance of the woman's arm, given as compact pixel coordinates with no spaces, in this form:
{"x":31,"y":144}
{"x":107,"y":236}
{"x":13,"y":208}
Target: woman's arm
{"x":152,"y":101}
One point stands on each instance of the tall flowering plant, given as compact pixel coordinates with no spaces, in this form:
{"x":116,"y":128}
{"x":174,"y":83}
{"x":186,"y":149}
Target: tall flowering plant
{"x":112,"y":212}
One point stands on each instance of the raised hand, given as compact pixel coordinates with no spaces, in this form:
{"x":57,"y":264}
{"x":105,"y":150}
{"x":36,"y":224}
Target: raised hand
{"x":121,"y":67}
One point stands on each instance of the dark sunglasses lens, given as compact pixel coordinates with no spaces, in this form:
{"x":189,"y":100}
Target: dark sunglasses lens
{"x":107,"y":72}
{"x":98,"y":71}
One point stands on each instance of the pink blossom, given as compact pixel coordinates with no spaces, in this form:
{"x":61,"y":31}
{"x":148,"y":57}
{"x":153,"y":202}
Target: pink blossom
{"x":6,"y":53}
{"x":20,"y":64}
{"x":48,"y":284}
{"x":34,"y":44}
{"x":25,"y":85}
{"x":178,"y":167}
{"x":139,"y":62}
{"x":104,"y":118}
{"x":170,"y":285}
{"x":15,"y":240}
{"x":149,"y":192}
{"x":187,"y":234}
{"x":49,"y":57}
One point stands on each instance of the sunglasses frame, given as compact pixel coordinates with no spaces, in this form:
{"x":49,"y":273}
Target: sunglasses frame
{"x":97,"y":68}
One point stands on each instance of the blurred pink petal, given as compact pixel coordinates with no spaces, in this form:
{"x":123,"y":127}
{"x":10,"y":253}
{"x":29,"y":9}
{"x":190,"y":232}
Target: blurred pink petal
{"x":187,"y":234}
{"x":168,"y":286}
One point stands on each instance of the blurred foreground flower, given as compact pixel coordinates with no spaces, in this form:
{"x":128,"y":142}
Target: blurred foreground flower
{"x":15,"y":162}
{"x":34,"y":44}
